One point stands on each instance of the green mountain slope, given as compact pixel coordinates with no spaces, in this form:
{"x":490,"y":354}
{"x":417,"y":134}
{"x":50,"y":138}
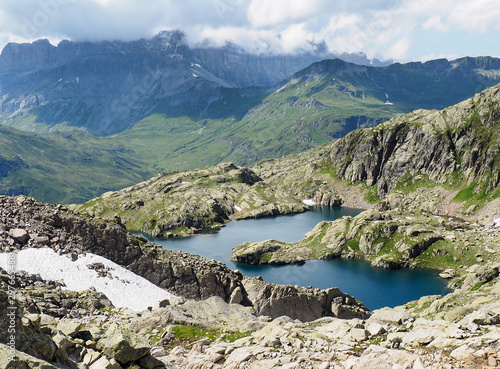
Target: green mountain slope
{"x":323,"y":102}
{"x":430,"y":161}
{"x":242,"y":125}
{"x":63,"y":167}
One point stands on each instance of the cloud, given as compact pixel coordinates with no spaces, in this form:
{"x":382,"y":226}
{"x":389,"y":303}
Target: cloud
{"x":398,"y":50}
{"x":439,"y":56}
{"x":264,"y":13}
{"x":436,"y":24}
{"x":376,"y":27}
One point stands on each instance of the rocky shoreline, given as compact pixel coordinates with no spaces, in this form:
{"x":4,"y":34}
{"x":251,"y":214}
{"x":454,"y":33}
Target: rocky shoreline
{"x":386,"y":238}
{"x":188,"y":276}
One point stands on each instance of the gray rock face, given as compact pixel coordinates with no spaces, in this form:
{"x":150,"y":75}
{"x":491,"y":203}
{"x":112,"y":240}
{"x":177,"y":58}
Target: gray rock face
{"x":302,"y":303}
{"x":123,"y":345}
{"x":429,"y":143}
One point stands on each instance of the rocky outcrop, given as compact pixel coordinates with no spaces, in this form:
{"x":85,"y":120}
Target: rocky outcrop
{"x":304,"y":304}
{"x":388,"y":239}
{"x":188,"y":202}
{"x":254,"y":253}
{"x":433,"y":144}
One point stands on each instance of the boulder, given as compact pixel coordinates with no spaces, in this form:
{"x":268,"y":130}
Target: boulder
{"x":105,"y":363}
{"x":19,"y":234}
{"x":305,"y":304}
{"x":251,"y":252}
{"x":447,"y":274}
{"x":13,"y":359}
{"x":123,"y":345}
{"x":390,"y":316}
{"x":69,"y":328}
{"x":359,"y":334}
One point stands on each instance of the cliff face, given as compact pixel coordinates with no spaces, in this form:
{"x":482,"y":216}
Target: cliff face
{"x":462,"y":139}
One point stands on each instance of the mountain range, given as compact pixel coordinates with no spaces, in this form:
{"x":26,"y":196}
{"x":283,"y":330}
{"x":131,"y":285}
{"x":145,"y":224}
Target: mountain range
{"x":109,"y":114}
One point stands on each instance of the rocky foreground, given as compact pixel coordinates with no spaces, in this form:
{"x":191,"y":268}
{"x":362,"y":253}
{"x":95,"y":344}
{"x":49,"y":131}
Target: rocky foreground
{"x":84,"y":330}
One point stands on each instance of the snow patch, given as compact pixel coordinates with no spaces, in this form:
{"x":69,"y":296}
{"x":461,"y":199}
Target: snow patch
{"x":309,"y":202}
{"x":237,"y":208}
{"x":387,"y":102}
{"x":294,"y":81}
{"x":496,"y":222}
{"x":195,"y":75}
{"x":123,"y":288}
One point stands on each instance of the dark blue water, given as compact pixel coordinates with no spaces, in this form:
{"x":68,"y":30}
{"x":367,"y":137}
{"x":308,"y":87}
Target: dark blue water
{"x":376,"y":288}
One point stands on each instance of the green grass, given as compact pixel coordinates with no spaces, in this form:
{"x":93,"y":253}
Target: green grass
{"x":187,"y":335}
{"x":466,"y":194}
{"x":371,"y":195}
{"x":443,"y":255}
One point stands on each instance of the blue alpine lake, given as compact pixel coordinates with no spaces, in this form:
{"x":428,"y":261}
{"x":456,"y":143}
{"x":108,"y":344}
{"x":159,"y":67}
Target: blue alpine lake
{"x":376,"y":288}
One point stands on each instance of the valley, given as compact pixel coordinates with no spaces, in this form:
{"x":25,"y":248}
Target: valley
{"x":159,"y":106}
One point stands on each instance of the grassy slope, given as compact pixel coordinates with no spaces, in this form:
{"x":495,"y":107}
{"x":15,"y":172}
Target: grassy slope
{"x":63,"y":167}
{"x":311,"y":109}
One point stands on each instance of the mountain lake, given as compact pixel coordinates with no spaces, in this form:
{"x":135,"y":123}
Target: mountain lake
{"x":374,"y":287}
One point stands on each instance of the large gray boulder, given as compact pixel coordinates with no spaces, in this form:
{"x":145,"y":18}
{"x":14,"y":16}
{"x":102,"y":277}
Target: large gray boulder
{"x":123,"y":345}
{"x":13,"y":359}
{"x":305,"y":304}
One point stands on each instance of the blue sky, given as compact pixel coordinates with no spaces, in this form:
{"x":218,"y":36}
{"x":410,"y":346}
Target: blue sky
{"x":401,"y":30}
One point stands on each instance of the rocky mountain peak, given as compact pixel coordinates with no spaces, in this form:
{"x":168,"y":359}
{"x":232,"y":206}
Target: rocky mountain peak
{"x":21,"y":57}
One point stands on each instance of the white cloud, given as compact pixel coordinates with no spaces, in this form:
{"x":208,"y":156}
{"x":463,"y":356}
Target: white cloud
{"x":263,"y":13}
{"x":256,"y":41}
{"x":439,"y":56}
{"x":476,"y":16}
{"x":436,"y":24}
{"x":296,"y":37}
{"x":398,"y":50}
{"x":376,"y":27}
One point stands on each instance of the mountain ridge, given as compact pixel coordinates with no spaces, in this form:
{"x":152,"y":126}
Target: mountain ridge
{"x":160,"y":108}
{"x":449,"y":150}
